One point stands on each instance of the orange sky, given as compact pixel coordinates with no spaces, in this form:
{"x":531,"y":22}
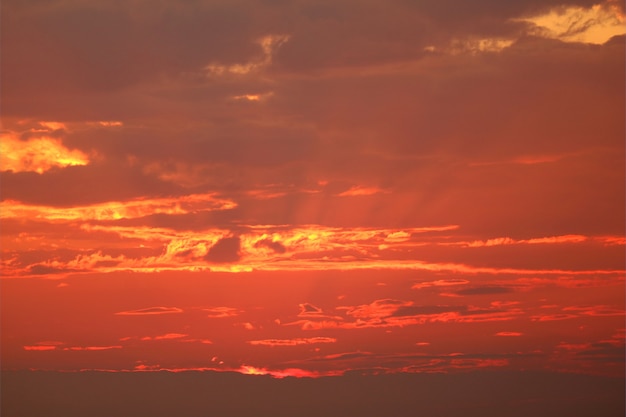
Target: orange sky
{"x":314,"y":187}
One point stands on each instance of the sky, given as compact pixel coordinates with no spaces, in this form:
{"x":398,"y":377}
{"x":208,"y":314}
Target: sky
{"x":313,"y":188}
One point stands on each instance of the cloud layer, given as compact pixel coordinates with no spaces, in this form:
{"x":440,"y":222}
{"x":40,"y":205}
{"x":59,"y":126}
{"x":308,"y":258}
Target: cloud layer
{"x":313,"y":188}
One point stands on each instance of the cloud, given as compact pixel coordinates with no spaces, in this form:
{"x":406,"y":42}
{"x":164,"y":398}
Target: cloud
{"x":269,"y":44}
{"x":388,"y":363}
{"x":48,"y":346}
{"x":166,"y":336}
{"x":389,"y":313}
{"x":114,"y":210}
{"x":275,"y":246}
{"x":292,"y":342}
{"x":598,"y":310}
{"x":43,"y":269}
{"x":595,"y":24}
{"x":136,"y":243}
{"x":377,"y":309}
{"x":440,"y":283}
{"x":39,"y":347}
{"x":600,"y":357}
{"x":307,"y":309}
{"x":534,"y":241}
{"x":465,"y":149}
{"x":509,"y":334}
{"x":361,"y":191}
{"x":150,"y":311}
{"x":37,"y":154}
{"x":225,"y":250}
{"x":82,"y":186}
{"x":284,"y":373}
{"x":92,"y":348}
{"x":553,"y":317}
{"x":222,"y":312}
{"x":485,"y":290}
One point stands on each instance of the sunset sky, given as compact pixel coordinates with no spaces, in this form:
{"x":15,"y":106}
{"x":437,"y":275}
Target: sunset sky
{"x":313,"y":188}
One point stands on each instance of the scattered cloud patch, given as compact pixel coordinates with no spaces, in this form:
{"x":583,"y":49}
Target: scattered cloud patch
{"x":221,"y":312}
{"x":292,"y":342}
{"x":361,"y":191}
{"x":92,"y":348}
{"x":269,"y":45}
{"x":509,"y":334}
{"x":39,"y":347}
{"x":166,"y":336}
{"x":150,"y":311}
{"x":440,"y":283}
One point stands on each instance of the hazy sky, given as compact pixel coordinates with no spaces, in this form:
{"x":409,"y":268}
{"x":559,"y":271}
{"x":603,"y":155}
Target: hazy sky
{"x":312,"y":187}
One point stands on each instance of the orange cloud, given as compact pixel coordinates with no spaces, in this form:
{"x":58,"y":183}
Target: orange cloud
{"x":595,"y":24}
{"x":509,"y":334}
{"x":398,"y":313}
{"x":221,"y":312}
{"x":361,"y":191}
{"x":37,"y":154}
{"x":262,"y":247}
{"x":500,"y":241}
{"x":92,"y":348}
{"x":292,"y":342}
{"x":440,"y":283}
{"x":284,"y":373}
{"x":39,"y":348}
{"x":600,"y":310}
{"x":167,"y":336}
{"x":553,"y":317}
{"x":150,"y":311}
{"x":117,"y":210}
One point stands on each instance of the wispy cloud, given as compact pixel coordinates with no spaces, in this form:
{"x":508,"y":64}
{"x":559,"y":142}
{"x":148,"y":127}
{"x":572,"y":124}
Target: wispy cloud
{"x":166,"y":336}
{"x":221,"y":312}
{"x":509,"y":334}
{"x":117,"y":210}
{"x":292,"y":342}
{"x":150,"y":311}
{"x":361,"y":191}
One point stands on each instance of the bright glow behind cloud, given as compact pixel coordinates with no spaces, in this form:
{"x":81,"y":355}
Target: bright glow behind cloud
{"x":38,"y":154}
{"x":596,"y":24}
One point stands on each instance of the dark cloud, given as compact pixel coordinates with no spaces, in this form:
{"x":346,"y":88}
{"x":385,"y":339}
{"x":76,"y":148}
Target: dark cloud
{"x":426,"y":310}
{"x":309,"y":309}
{"x":485,"y":290}
{"x":277,"y":247}
{"x":82,"y":185}
{"x":41,"y":269}
{"x":100,"y":45}
{"x":604,"y":351}
{"x":225,"y":250}
{"x":356,"y":101}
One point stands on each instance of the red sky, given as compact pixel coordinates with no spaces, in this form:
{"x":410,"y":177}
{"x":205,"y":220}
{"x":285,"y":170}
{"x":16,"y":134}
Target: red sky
{"x":309,"y":188}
